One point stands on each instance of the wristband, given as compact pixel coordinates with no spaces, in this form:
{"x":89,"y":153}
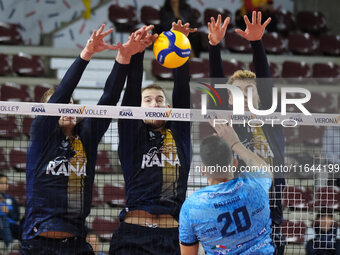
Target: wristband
{"x":231,"y":147}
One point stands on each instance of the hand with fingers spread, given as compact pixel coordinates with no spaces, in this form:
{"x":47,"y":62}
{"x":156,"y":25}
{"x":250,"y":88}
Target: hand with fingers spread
{"x":226,"y":132}
{"x":216,"y":30}
{"x":254,"y":30}
{"x":185,"y":29}
{"x":96,"y":43}
{"x":145,"y":38}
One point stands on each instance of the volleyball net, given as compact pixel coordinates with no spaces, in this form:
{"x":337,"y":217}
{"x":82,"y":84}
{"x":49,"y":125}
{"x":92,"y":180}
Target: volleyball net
{"x":311,"y":164}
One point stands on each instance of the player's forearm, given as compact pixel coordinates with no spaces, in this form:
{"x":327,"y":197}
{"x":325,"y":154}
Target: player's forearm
{"x":249,"y":157}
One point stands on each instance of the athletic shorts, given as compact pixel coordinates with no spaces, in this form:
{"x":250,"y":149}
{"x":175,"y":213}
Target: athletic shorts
{"x":131,"y":239}
{"x":49,"y":246}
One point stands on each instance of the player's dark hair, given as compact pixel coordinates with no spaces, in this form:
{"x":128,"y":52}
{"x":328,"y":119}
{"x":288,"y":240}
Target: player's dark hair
{"x":215,"y":151}
{"x":3,"y":175}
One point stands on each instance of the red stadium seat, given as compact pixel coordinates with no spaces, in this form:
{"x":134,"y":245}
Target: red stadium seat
{"x":236,"y":43}
{"x":274,"y":43}
{"x":114,"y":195}
{"x":291,"y":69}
{"x":28,"y":65}
{"x":96,"y":196}
{"x":9,"y":127}
{"x":10,"y":34}
{"x":161,"y":72}
{"x":285,"y":21}
{"x":291,"y":135}
{"x":5,"y":66}
{"x":330,"y":44}
{"x":327,"y":71}
{"x":15,"y":92}
{"x":17,"y":190}
{"x":297,"y":197}
{"x":311,"y":22}
{"x":273,"y":68}
{"x":311,"y":135}
{"x":26,"y":125}
{"x":39,"y":91}
{"x":150,"y":15}
{"x":104,"y":163}
{"x":198,"y":68}
{"x":17,"y":158}
{"x":321,"y":102}
{"x":302,"y":44}
{"x":124,"y":17}
{"x":105,"y":227}
{"x":328,"y":197}
{"x":294,"y":231}
{"x":231,"y":66}
{"x":3,"y":160}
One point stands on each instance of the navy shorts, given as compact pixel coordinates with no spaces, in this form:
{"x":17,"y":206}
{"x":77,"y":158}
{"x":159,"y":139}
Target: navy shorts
{"x":49,"y":246}
{"x":131,"y":239}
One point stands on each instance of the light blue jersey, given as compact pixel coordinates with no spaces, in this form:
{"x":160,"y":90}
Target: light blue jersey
{"x":231,"y":217}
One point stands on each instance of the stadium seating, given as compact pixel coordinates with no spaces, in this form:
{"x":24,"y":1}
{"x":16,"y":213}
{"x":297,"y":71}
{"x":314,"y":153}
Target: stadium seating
{"x":15,"y":92}
{"x":198,"y":68}
{"x":285,"y":21}
{"x":231,"y":66}
{"x":124,"y":17}
{"x":114,"y":195}
{"x":28,"y":65}
{"x":3,"y":160}
{"x":105,"y":227}
{"x":197,"y":17}
{"x":273,"y":68}
{"x":160,"y":72}
{"x":330,"y":44}
{"x":10,"y":34}
{"x":328,"y":197}
{"x":311,"y":22}
{"x":311,"y":135}
{"x":39,"y":91}
{"x":294,"y":231}
{"x":292,"y":69}
{"x":297,"y":197}
{"x":18,"y":191}
{"x":328,"y":71}
{"x":236,"y":43}
{"x":302,"y":44}
{"x":96,"y":196}
{"x":17,"y":158}
{"x":5,"y":66}
{"x":291,"y":136}
{"x":274,"y":43}
{"x":321,"y":103}
{"x":104,"y":163}
{"x":26,"y":125}
{"x":9,"y":127}
{"x":150,"y":15}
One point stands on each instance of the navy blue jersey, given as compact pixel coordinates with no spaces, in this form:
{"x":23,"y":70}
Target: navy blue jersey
{"x":231,"y":217}
{"x":60,"y":170}
{"x":268,"y":141}
{"x":155,"y":164}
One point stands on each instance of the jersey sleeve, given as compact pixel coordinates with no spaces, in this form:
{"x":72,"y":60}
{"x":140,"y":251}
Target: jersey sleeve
{"x":261,"y":177}
{"x":187,"y":235}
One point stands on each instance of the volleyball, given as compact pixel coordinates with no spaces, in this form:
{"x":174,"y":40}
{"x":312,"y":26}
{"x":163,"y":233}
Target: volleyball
{"x":172,"y":49}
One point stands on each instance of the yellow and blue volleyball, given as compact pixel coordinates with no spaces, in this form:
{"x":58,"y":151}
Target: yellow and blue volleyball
{"x":172,"y":49}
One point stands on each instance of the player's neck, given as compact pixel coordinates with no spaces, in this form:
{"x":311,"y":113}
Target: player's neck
{"x":216,"y":181}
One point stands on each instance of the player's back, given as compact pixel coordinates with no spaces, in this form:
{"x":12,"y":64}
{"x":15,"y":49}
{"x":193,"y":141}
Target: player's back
{"x":231,"y":217}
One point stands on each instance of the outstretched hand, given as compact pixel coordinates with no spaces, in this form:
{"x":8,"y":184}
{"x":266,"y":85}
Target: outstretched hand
{"x":96,"y":43}
{"x":226,"y":131}
{"x":184,"y":29}
{"x":216,"y":31}
{"x":254,"y":30}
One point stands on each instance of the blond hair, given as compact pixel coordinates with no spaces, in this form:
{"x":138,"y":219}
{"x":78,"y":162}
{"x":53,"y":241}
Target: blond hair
{"x":47,"y":95}
{"x":156,"y":87}
{"x":242,"y":75}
